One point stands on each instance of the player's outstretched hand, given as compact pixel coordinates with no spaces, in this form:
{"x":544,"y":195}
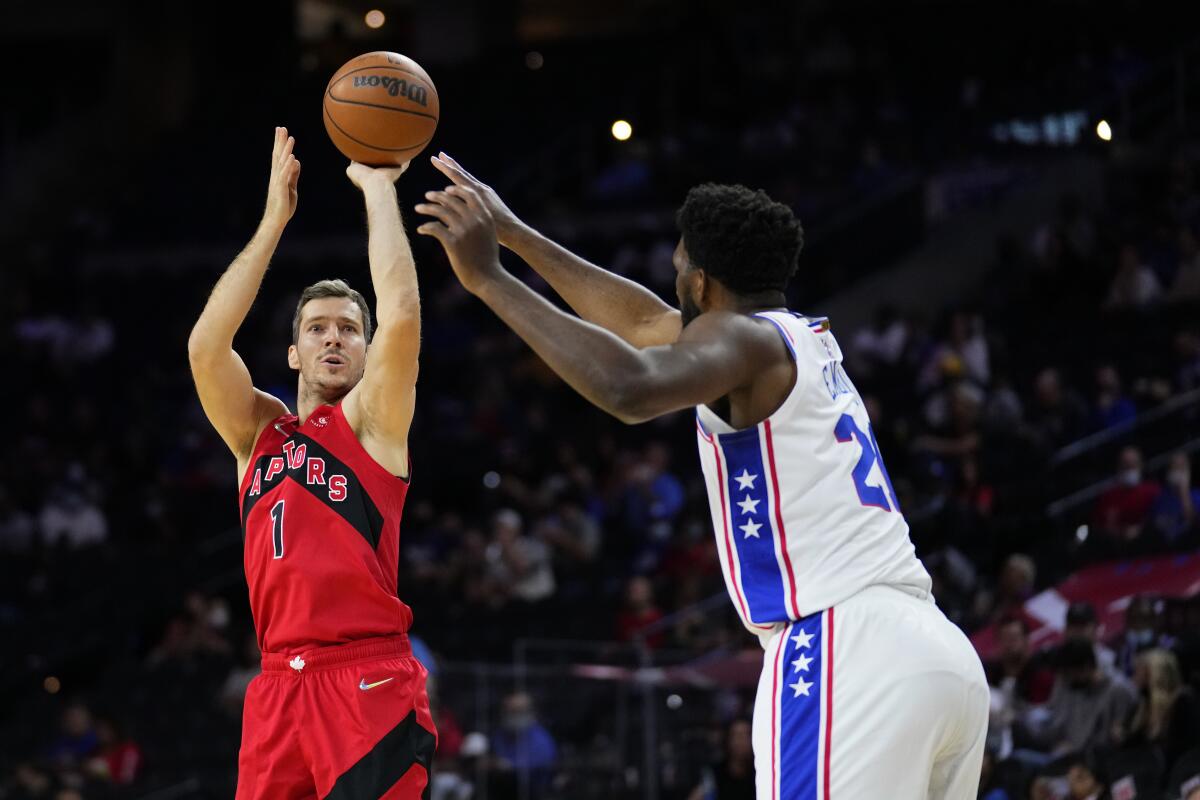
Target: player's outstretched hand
{"x":360,"y":174}
{"x":465,"y":227}
{"x":282,"y":189}
{"x":506,"y":221}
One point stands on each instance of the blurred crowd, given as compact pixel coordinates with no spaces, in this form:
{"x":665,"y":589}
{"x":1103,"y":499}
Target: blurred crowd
{"x":1046,"y":421}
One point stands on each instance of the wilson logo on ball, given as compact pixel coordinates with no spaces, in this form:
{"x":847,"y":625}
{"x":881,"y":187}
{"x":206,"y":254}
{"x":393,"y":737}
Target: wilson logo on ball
{"x":396,"y":87}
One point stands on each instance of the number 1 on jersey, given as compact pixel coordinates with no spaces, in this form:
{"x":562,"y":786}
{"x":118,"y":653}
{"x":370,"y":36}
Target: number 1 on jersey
{"x":277,"y":528}
{"x":845,"y":430}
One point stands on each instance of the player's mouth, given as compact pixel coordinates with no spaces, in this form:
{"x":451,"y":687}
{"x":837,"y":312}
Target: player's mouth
{"x":333,"y":361}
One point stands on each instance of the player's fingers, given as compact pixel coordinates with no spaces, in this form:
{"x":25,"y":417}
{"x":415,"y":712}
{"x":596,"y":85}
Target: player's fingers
{"x":458,"y":167}
{"x":294,"y":175}
{"x":466,"y":195}
{"x":286,"y":165}
{"x":447,"y":197}
{"x":446,"y":214}
{"x":288,"y":146}
{"x":452,"y":172}
{"x":276,"y":145}
{"x":435,"y":229}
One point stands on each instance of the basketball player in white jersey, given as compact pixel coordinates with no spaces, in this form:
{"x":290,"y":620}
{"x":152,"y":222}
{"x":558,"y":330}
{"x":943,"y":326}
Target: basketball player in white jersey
{"x":867,"y":690}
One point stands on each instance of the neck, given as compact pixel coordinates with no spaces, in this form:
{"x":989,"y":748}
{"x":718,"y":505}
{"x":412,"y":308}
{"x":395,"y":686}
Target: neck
{"x":759,"y":301}
{"x":307,"y":401}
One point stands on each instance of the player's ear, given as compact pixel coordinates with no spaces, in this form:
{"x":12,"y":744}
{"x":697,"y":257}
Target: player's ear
{"x":293,"y":357}
{"x":701,"y":285}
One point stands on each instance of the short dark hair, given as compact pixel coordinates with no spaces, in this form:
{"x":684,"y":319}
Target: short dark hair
{"x":741,"y":237}
{"x":332,"y":288}
{"x":1076,"y":652}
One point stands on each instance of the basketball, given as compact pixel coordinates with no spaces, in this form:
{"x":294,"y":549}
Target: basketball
{"x":381,"y":109}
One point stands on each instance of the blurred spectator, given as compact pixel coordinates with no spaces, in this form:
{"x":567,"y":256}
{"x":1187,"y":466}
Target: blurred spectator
{"x":233,"y":691}
{"x":1017,"y":671}
{"x":1186,"y":286}
{"x":1168,"y":715}
{"x":1111,"y":407}
{"x":572,"y":533}
{"x":1087,"y":703}
{"x":1005,"y":410}
{"x":1187,"y":358}
{"x":954,"y":414}
{"x":29,"y":783}
{"x":1057,"y":414}
{"x":638,"y":612}
{"x":79,"y":738}
{"x":731,"y":778}
{"x":1134,"y":286}
{"x":1124,"y":508}
{"x":653,"y":495}
{"x":69,"y":340}
{"x":519,"y":563}
{"x":1173,"y":514}
{"x":522,"y":743}
{"x":1144,"y":623}
{"x":1084,"y":782}
{"x":1081,"y":624}
{"x":1184,"y":779}
{"x":194,"y":634}
{"x":70,"y":517}
{"x":972,"y":504}
{"x":879,"y":345}
{"x":1014,"y":586}
{"x":963,"y":352}
{"x":118,"y":759}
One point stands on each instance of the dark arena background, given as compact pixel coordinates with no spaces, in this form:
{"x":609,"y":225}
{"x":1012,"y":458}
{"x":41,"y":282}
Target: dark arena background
{"x":1002,"y":213}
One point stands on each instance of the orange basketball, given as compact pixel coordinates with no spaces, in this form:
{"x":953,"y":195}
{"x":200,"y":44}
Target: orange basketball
{"x":381,"y":109}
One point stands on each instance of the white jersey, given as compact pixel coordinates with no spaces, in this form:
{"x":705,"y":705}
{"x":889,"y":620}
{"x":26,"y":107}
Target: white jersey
{"x":803,"y":510}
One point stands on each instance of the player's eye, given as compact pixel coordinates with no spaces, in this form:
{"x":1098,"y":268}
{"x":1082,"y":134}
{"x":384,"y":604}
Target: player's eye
{"x":348,"y":328}
{"x":315,"y":328}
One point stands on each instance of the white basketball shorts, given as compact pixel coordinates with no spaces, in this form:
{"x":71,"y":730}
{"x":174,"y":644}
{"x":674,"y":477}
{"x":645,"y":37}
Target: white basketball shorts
{"x":878,"y":697}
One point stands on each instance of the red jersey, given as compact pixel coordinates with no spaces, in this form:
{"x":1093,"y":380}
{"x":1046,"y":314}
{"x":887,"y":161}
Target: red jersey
{"x":321,"y":536}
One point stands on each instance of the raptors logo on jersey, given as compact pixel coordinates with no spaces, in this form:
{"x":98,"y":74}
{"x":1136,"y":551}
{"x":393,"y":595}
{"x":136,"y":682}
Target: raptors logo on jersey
{"x":321,"y":521}
{"x":802,"y":506}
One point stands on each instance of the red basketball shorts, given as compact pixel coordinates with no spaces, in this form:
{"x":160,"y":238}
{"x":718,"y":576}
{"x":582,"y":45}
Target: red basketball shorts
{"x":349,"y":721}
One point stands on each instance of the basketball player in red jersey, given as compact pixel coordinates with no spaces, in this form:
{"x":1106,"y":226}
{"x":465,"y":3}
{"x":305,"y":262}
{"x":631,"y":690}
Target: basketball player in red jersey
{"x":340,"y":709}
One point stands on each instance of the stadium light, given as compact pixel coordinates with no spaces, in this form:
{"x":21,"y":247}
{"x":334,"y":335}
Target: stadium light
{"x":375,"y":18}
{"x":1104,"y":130}
{"x":622,"y":130}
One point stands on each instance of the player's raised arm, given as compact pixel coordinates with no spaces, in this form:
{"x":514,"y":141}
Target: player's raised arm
{"x":717,"y":353}
{"x":615,"y":303}
{"x":236,"y":409}
{"x":380,"y":408}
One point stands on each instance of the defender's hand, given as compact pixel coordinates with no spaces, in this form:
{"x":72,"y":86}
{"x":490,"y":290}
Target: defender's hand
{"x":282,"y":191}
{"x":361,"y":175}
{"x":467,"y":231}
{"x":506,"y":221}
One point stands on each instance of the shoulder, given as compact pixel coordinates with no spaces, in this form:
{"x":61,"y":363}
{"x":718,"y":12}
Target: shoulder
{"x":745,"y":331}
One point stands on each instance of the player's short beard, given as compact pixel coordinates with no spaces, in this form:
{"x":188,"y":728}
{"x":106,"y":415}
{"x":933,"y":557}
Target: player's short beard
{"x":330,"y":393}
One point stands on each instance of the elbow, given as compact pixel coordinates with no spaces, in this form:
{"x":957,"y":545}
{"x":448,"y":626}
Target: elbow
{"x":195,"y":347}
{"x":201,"y":348}
{"x":630,"y":401}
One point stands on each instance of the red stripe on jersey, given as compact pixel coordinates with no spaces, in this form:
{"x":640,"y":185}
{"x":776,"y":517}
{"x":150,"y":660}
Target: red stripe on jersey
{"x":728,"y":541}
{"x":787,"y":559}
